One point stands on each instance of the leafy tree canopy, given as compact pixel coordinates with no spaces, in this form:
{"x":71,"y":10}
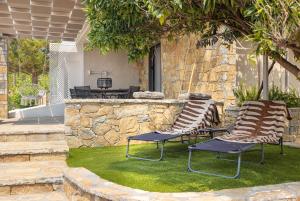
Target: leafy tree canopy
{"x":135,"y":25}
{"x":28,"y":56}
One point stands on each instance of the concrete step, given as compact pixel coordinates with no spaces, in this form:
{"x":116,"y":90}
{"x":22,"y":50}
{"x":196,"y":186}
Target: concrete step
{"x":53,"y":196}
{"x":31,"y":177}
{"x":33,"y":151}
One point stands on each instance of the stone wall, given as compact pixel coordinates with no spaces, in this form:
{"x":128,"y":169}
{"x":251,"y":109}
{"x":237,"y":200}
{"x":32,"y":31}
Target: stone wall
{"x":108,"y":122}
{"x":293,"y":128}
{"x":214,"y":69}
{"x":83,"y":185}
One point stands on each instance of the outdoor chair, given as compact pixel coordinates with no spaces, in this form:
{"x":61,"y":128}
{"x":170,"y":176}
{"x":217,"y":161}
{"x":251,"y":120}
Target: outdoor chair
{"x":131,"y":90}
{"x":195,"y":116}
{"x":73,"y":93}
{"x":258,"y":123}
{"x":84,"y":92}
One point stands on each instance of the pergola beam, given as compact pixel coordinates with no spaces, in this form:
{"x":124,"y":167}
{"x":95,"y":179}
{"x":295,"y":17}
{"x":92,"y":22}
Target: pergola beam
{"x":47,"y":19}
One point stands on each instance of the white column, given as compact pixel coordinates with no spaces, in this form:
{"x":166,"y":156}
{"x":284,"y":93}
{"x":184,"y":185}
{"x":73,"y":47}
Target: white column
{"x":265,"y":92}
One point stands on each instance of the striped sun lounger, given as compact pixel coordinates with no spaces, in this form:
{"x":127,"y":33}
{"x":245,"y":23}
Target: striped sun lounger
{"x":195,"y":116}
{"x":258,"y":122}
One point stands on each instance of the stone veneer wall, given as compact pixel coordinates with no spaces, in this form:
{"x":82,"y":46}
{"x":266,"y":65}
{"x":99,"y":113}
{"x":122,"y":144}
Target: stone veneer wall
{"x":215,"y":69}
{"x":293,"y":128}
{"x":97,"y":122}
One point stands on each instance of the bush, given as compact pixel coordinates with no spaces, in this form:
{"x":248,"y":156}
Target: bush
{"x":290,"y":97}
{"x":22,"y":83}
{"x":243,"y":94}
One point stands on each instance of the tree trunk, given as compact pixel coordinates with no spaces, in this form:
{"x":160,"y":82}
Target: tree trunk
{"x":34,"y":78}
{"x":288,"y":66}
{"x":261,"y":85}
{"x":15,"y":79}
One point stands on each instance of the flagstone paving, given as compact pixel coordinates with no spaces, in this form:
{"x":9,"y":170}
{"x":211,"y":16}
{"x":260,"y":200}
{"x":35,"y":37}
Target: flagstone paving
{"x":32,"y":159}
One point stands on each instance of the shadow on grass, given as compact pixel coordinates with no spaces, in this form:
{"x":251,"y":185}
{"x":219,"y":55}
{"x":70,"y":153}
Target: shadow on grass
{"x":170,"y":175}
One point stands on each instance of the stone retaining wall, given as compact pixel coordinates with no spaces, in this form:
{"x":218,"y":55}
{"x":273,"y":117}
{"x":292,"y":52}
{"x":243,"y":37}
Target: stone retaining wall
{"x":292,"y":131}
{"x":94,"y":122}
{"x":81,"y":184}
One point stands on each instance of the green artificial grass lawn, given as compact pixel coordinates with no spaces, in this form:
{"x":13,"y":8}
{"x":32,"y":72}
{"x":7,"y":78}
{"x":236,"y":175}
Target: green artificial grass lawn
{"x":171,"y":175}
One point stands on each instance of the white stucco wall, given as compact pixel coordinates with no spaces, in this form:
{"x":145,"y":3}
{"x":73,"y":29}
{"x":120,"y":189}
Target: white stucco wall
{"x":123,"y":73}
{"x":250,"y":74}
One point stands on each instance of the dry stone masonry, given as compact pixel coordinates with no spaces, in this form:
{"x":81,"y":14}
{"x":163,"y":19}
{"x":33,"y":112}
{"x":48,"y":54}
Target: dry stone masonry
{"x":94,"y":123}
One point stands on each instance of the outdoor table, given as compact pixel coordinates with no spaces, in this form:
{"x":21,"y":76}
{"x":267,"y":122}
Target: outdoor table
{"x":107,"y":93}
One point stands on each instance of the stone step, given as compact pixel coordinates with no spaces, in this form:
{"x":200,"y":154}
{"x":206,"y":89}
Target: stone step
{"x":53,"y":196}
{"x":31,"y":177}
{"x":33,"y":151}
{"x":32,"y":137}
{"x":32,"y":134}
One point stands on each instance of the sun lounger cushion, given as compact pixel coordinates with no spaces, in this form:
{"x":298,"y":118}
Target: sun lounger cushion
{"x":259,"y":122}
{"x":196,"y":114}
{"x":216,"y":145}
{"x":153,"y":136}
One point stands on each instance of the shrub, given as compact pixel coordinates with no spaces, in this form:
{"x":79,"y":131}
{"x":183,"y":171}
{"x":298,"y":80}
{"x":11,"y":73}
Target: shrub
{"x":243,"y":94}
{"x":290,"y":97}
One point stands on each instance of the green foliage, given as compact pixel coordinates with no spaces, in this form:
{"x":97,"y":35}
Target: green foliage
{"x":290,"y":97}
{"x":135,"y":25}
{"x":22,"y":83}
{"x":28,"y":56}
{"x":243,"y":94}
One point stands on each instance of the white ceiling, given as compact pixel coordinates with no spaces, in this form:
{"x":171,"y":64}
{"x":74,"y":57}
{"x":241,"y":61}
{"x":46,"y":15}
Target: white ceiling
{"x":41,"y":19}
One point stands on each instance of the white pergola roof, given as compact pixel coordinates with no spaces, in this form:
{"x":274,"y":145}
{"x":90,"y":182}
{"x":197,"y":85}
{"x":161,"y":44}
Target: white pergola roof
{"x":41,"y":19}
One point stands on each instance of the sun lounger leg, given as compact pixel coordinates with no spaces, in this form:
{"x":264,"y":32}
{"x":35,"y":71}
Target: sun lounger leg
{"x":281,"y":145}
{"x":262,"y":154}
{"x":237,"y":174}
{"x":146,"y":159}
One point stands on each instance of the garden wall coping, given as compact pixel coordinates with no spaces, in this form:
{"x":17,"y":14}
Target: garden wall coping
{"x":81,"y":183}
{"x":120,"y":101}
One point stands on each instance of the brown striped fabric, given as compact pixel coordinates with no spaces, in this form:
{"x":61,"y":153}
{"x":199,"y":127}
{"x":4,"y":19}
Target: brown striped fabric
{"x":259,"y":122}
{"x":196,"y":114}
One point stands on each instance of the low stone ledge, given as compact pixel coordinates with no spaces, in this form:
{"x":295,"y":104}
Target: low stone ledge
{"x":80,"y":183}
{"x":120,"y":101}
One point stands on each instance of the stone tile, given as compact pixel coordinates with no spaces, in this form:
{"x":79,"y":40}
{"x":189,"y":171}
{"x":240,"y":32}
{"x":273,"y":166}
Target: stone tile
{"x":25,"y":173}
{"x":15,"y":158}
{"x":29,"y":189}
{"x":49,"y":157}
{"x":15,"y":138}
{"x":14,"y":148}
{"x":4,"y":190}
{"x":53,"y":196}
